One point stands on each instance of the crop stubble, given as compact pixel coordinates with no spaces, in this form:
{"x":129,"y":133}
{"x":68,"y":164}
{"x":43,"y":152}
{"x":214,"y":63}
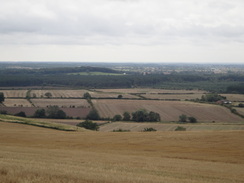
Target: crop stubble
{"x":31,"y":154}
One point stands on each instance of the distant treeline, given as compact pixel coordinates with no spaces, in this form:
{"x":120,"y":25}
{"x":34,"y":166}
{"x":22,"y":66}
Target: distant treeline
{"x":61,"y":77}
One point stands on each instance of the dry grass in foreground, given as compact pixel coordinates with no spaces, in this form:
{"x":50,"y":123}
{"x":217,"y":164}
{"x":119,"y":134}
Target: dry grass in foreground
{"x":31,"y":154}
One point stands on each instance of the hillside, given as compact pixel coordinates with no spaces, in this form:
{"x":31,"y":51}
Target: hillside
{"x":33,"y":154}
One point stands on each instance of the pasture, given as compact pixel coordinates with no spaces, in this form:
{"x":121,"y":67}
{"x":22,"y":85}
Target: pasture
{"x":32,"y":154}
{"x":168,"y":110}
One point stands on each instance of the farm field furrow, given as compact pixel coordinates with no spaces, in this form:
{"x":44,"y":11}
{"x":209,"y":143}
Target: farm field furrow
{"x":32,"y":154}
{"x":17,"y":103}
{"x":14,"y":93}
{"x":234,"y":97}
{"x":240,"y":110}
{"x":138,"y":127}
{"x":173,"y":96}
{"x":168,"y":110}
{"x":111,"y":95}
{"x":150,"y":91}
{"x":59,"y":93}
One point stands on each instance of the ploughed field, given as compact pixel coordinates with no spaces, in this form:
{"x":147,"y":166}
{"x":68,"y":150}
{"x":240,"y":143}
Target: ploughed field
{"x":33,"y":154}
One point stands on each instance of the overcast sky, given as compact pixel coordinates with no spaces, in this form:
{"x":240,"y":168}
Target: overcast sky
{"x":206,"y":31}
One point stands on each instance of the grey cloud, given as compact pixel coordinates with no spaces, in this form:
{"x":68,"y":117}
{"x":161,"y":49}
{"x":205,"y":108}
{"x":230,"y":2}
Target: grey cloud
{"x":109,"y":21}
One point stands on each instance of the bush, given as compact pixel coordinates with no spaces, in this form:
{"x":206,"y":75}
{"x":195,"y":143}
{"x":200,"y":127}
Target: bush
{"x":21,"y":114}
{"x":88,"y":125}
{"x":149,"y":130}
{"x":40,"y":113}
{"x":117,"y":117}
{"x":182,"y":118}
{"x":126,"y":116}
{"x":180,"y":128}
{"x":3,"y":112}
{"x":55,"y":112}
{"x":192,"y":119}
{"x":87,"y":95}
{"x":93,"y":115}
{"x":2,"y":97}
{"x":121,"y":130}
{"x":241,"y":105}
{"x":143,"y":116}
{"x":212,"y":97}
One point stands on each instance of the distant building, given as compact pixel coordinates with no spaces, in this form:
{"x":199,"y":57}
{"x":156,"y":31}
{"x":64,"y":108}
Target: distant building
{"x":223,"y":102}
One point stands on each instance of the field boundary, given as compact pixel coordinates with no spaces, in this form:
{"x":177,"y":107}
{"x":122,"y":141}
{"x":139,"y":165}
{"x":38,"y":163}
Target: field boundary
{"x":24,"y":121}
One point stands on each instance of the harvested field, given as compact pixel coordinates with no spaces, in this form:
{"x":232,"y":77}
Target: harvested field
{"x":14,"y":93}
{"x":168,"y":110}
{"x":234,"y":97}
{"x":29,"y":111}
{"x":150,"y":91}
{"x":59,"y":93}
{"x":111,"y":95}
{"x":138,"y":127}
{"x":17,"y":103}
{"x":64,"y":103}
{"x":173,"y":96}
{"x":240,"y":110}
{"x":31,"y":154}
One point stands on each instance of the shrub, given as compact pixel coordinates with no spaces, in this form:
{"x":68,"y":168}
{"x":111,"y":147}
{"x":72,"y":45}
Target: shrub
{"x":117,"y":117}
{"x":182,"y":118}
{"x":121,"y":130}
{"x":40,"y":113}
{"x":3,"y":112}
{"x":142,"y":116}
{"x":2,"y":97}
{"x":55,"y":112}
{"x":88,"y":125}
{"x":241,"y":105}
{"x":126,"y":116}
{"x":21,"y":114}
{"x":87,"y":95}
{"x":192,"y":119}
{"x":180,"y":128}
{"x":149,"y":130}
{"x":93,"y":115}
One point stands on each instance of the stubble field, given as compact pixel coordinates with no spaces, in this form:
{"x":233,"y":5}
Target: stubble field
{"x":32,"y":154}
{"x":168,"y":110}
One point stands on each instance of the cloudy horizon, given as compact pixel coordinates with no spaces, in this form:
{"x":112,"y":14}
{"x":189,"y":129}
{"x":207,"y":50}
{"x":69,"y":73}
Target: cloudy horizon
{"x":190,"y":31}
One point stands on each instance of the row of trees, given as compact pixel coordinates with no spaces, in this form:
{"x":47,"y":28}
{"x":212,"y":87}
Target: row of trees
{"x":184,"y":118}
{"x":138,"y":116}
{"x":52,"y":112}
{"x":2,"y":97}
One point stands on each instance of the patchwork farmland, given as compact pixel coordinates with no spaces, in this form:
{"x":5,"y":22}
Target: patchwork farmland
{"x":168,"y":110}
{"x":170,"y":104}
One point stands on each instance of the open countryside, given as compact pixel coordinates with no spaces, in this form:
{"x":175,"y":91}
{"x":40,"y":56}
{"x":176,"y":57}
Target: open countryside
{"x":134,"y":127}
{"x":33,"y":154}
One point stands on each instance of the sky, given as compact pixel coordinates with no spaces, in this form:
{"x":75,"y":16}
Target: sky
{"x":164,"y":31}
